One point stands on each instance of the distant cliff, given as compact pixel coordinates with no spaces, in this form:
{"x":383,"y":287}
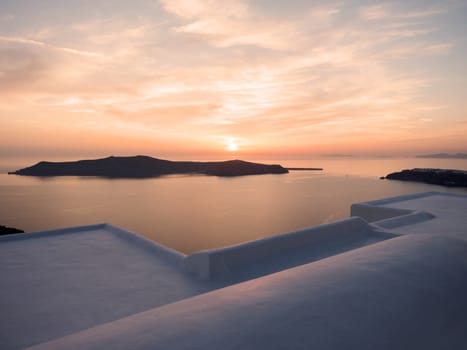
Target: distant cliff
{"x":144,"y":166}
{"x":444,"y":156}
{"x":444,"y":177}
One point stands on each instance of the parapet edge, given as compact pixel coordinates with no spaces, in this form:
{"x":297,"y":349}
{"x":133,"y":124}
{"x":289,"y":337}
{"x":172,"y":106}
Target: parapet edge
{"x":167,"y":253}
{"x":52,"y":232}
{"x":221,"y":262}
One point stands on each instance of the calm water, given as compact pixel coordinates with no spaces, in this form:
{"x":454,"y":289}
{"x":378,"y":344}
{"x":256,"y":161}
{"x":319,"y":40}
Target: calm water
{"x":191,"y":213}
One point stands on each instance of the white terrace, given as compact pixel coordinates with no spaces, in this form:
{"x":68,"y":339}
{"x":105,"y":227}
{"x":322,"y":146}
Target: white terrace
{"x":393,"y":276}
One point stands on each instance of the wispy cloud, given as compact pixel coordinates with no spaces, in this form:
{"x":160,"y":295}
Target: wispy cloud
{"x":389,"y":11}
{"x":228,"y":23}
{"x":27,"y":41}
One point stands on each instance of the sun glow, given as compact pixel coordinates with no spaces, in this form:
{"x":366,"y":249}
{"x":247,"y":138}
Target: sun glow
{"x":232,"y":147}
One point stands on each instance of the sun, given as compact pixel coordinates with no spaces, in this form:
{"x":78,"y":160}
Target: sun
{"x":232,"y":147}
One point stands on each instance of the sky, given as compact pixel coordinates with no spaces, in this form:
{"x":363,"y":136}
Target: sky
{"x":222,"y":78}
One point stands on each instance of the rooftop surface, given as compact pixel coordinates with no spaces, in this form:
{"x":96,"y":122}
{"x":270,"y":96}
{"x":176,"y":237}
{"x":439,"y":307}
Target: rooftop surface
{"x":55,"y":283}
{"x":392,"y":276}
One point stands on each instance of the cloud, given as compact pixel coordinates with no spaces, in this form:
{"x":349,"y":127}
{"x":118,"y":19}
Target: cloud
{"x":32,"y":66}
{"x":325,"y":12}
{"x":27,"y":41}
{"x":163,"y":115}
{"x":19,"y":68}
{"x":194,"y":9}
{"x":229,"y":23}
{"x":388,"y":11}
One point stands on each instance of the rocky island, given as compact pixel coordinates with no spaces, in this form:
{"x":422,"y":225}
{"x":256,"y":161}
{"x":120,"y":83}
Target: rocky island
{"x":145,"y":166}
{"x":443,"y":177}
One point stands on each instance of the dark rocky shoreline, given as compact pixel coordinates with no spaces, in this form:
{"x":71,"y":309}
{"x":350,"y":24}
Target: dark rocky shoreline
{"x":5,"y":230}
{"x":443,"y":177}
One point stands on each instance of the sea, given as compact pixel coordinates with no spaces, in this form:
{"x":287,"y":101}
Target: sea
{"x":193,"y":213}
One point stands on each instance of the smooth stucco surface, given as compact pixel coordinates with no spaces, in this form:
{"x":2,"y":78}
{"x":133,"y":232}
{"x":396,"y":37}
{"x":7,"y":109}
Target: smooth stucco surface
{"x":434,"y":212}
{"x":404,"y":293}
{"x":59,"y":282}
{"x":398,"y":282}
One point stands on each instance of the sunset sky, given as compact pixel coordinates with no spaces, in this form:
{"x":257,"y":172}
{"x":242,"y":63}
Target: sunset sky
{"x":212,"y":78}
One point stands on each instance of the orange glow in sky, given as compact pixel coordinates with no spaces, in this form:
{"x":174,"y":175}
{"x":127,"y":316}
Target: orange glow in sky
{"x":204,"y":78}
